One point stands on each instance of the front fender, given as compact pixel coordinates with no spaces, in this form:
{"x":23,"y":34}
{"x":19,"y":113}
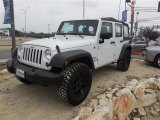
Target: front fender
{"x":59,"y":59}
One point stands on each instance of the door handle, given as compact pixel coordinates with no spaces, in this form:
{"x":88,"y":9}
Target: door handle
{"x":121,"y":41}
{"x":112,"y":42}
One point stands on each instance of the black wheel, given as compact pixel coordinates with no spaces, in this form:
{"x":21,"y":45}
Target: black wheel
{"x":76,"y":85}
{"x":157,"y":61}
{"x":24,"y":81}
{"x":124,"y":63}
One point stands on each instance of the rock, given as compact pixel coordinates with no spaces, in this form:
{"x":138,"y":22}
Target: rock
{"x":153,"y":112}
{"x":84,"y":112}
{"x":3,"y":72}
{"x":158,"y":86}
{"x":136,"y":119}
{"x":123,"y":104}
{"x":103,"y":101}
{"x":150,"y":91}
{"x":141,"y":111}
{"x":96,"y":116}
{"x":109,"y":95}
{"x":114,"y":90}
{"x":93,"y":103}
{"x":76,"y":118}
{"x":128,"y":118}
{"x":147,"y":100}
{"x":150,"y":83}
{"x":156,"y":108}
{"x":158,"y":96}
{"x":139,"y":90}
{"x":106,"y":111}
{"x":101,"y":96}
{"x":132,"y":84}
{"x":109,"y":89}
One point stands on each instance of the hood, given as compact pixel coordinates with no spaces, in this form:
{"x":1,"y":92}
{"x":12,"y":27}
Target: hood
{"x":155,"y":48}
{"x":62,"y":42}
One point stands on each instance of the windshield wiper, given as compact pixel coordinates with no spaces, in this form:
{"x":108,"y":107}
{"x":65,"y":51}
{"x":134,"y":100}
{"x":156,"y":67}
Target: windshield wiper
{"x":81,"y":36}
{"x":64,"y":35}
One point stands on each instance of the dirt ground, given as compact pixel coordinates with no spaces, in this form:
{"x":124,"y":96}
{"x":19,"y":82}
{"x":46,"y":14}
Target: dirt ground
{"x":33,"y":102}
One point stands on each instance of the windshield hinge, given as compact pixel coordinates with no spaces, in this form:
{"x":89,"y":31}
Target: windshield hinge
{"x":58,"y":49}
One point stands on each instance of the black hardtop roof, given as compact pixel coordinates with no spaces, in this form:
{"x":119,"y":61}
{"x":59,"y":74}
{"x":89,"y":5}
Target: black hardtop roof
{"x":113,"y":20}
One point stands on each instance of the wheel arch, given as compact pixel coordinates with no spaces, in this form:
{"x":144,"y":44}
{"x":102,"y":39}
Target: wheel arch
{"x":63,"y":59}
{"x":124,"y":48}
{"x":156,"y":57}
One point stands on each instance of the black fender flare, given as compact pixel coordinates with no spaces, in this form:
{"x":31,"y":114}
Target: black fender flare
{"x":125,"y":47}
{"x":58,"y":61}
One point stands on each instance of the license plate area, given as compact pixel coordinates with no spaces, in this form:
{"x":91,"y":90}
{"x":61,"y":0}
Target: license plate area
{"x":20,"y":73}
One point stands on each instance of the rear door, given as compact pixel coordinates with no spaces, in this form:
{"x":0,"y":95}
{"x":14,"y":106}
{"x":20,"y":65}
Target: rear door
{"x":118,"y":39}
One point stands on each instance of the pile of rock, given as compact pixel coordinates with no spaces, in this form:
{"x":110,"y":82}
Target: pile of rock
{"x":124,"y":102}
{"x":3,"y":72}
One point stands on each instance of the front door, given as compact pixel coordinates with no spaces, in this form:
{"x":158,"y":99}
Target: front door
{"x":106,"y":50}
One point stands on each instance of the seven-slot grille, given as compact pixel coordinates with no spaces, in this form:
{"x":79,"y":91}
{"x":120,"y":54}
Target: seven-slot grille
{"x":32,"y":55}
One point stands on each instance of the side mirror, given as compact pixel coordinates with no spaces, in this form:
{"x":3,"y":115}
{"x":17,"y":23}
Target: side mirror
{"x":105,"y":35}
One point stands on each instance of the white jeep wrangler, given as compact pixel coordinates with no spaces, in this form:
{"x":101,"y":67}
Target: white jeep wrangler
{"x":79,"y":47}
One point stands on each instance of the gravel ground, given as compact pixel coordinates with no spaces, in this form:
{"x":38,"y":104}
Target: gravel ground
{"x":23,"y":102}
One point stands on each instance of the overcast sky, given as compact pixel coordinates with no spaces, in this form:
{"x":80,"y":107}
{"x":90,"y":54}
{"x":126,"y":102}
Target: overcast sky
{"x":44,"y":12}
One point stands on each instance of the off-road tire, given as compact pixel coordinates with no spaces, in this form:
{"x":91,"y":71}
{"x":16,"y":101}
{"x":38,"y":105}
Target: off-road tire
{"x":76,"y":84}
{"x":157,"y":61}
{"x":124,"y":63}
{"x":24,"y":81}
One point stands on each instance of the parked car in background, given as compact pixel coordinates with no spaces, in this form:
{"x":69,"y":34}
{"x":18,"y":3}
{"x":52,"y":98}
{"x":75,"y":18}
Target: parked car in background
{"x":152,"y":54}
{"x":139,"y":45}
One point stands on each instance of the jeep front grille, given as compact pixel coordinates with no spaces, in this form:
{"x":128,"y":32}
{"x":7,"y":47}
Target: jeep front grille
{"x":32,"y":55}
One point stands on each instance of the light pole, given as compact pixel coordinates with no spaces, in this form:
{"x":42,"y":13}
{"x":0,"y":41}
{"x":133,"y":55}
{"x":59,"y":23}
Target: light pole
{"x":49,"y":29}
{"x":119,"y":9}
{"x":137,"y":17}
{"x":12,"y":25}
{"x":25,"y":12}
{"x":136,"y":25}
{"x":83,"y":9}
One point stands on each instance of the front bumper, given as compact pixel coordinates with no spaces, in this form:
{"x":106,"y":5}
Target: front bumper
{"x":35,"y":75}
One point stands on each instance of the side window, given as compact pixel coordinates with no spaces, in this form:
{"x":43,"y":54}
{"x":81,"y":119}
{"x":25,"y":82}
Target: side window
{"x":126,"y":32}
{"x":118,"y":28}
{"x":107,"y":28}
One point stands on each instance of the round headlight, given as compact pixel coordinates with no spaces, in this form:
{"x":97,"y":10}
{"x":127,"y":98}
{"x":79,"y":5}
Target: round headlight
{"x":48,"y":54}
{"x":21,"y":49}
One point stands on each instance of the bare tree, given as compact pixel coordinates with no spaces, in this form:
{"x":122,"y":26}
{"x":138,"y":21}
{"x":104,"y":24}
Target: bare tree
{"x":148,"y":33}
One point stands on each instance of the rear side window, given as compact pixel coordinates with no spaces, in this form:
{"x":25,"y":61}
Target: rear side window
{"x":126,"y":31}
{"x":109,"y":28}
{"x":118,"y":28}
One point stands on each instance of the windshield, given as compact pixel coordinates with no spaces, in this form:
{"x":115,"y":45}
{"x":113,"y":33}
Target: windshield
{"x":79,"y":27}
